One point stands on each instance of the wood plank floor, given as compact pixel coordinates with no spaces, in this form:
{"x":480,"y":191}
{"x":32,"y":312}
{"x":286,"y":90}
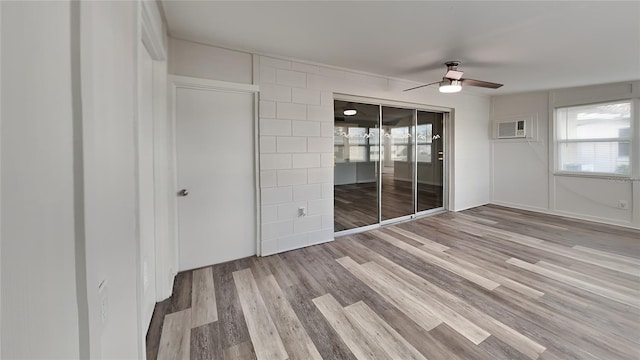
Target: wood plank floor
{"x":485,"y":283}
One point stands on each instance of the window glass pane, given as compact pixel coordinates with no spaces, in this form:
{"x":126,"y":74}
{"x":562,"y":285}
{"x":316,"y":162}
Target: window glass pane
{"x":374,"y":153}
{"x":356,"y":168}
{"x":398,"y":166}
{"x":357,"y":153}
{"x":374,"y":137}
{"x":596,"y":121}
{"x":400,"y":135}
{"x":602,"y":157}
{"x":338,"y":143}
{"x":339,"y":135}
{"x":399,"y":152}
{"x":424,"y":133}
{"x":424,"y":153}
{"x":338,"y":153}
{"x":357,"y":135}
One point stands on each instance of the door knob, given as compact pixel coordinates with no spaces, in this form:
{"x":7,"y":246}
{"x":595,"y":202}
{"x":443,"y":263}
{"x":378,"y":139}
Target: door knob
{"x":183,"y":192}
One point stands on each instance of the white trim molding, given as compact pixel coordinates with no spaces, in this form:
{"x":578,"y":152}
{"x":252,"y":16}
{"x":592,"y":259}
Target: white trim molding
{"x":187,"y":82}
{"x":151,"y":32}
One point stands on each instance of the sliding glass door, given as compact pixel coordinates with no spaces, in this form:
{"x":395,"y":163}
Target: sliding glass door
{"x":430,"y":160}
{"x":356,"y":153}
{"x":388,"y":164}
{"x":397,"y":163}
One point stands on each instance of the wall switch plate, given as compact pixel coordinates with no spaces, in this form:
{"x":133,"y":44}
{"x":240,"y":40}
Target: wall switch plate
{"x":623,"y":204}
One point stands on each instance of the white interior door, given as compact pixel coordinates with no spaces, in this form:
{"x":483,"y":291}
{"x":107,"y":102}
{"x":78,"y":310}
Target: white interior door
{"x":215,"y":159}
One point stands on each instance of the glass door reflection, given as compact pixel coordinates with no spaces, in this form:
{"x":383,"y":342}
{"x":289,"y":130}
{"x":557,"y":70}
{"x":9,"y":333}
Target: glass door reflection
{"x":356,"y":165}
{"x":397,"y":163}
{"x":430,"y":158}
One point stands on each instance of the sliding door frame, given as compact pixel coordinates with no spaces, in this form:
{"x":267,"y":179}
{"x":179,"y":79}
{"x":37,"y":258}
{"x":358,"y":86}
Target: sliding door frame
{"x":447,"y":136}
{"x":446,"y":116}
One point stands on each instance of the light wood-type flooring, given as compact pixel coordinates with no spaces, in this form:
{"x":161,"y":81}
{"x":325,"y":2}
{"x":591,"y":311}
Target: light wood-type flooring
{"x":485,"y":283}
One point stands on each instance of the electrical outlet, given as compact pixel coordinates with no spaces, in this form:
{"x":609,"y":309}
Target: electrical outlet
{"x":302,"y":211}
{"x":623,"y":204}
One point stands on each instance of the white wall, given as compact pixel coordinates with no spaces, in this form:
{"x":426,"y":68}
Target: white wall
{"x":529,"y":184}
{"x":296,"y":135}
{"x":523,"y":170}
{"x":39,"y":306}
{"x":109,"y":41}
{"x":207,"y":62}
{"x":68,"y":180}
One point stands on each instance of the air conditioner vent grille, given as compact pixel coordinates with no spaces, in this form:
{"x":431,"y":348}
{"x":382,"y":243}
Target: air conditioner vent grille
{"x":511,"y":129}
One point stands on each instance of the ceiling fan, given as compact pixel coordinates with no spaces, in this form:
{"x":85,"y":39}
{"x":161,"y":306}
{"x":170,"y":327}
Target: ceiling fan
{"x":453,"y":80}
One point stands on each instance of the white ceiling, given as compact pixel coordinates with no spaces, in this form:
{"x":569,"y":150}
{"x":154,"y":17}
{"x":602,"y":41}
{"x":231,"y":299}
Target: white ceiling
{"x":524,"y":45}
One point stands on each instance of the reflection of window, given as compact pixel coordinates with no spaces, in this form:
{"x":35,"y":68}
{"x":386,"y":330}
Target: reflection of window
{"x":374,"y":149}
{"x":594,"y":138}
{"x":355,"y":144}
{"x":399,"y":143}
{"x":338,"y":144}
{"x":424,"y":138}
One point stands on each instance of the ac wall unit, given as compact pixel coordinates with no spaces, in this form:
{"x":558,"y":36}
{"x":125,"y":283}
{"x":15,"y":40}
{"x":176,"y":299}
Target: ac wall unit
{"x":511,"y":129}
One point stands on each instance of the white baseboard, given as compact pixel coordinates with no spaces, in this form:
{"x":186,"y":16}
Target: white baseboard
{"x":296,"y":247}
{"x":626,"y":224}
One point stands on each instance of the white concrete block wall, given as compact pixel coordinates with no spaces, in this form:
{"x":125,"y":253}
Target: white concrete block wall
{"x":296,"y":145}
{"x":296,"y":156}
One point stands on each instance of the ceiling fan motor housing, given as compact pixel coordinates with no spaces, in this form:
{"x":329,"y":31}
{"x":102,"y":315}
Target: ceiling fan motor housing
{"x":452,"y":70}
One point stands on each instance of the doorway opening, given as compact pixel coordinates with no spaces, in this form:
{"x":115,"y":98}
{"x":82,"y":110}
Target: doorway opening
{"x":389,"y":163}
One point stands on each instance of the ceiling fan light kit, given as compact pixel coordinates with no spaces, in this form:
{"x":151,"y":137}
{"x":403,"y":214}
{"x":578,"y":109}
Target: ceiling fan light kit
{"x":452,"y":86}
{"x":452,"y":80}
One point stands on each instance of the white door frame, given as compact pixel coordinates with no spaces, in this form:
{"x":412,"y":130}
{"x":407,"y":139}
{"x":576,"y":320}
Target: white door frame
{"x":150,"y":39}
{"x":184,"y":82}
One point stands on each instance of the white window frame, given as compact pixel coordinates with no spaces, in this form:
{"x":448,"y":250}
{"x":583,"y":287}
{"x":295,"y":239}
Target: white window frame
{"x":592,"y":174}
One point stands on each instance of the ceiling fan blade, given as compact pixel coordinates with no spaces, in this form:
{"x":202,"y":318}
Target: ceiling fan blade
{"x":421,"y":86}
{"x":480,"y":83}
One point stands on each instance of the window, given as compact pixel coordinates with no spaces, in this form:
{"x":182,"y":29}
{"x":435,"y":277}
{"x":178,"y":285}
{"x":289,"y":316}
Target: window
{"x":355,"y":144}
{"x":594,"y":138}
{"x":338,"y":143}
{"x":399,"y":143}
{"x":374,"y":149}
{"x":424,"y":135}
